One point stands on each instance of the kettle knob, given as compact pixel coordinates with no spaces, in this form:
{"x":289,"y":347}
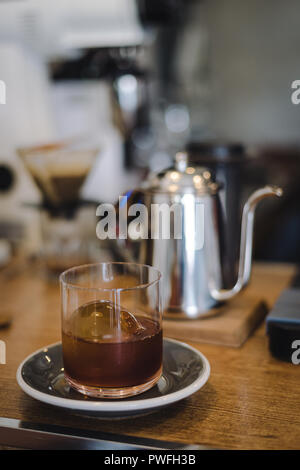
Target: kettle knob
{"x":181,"y":161}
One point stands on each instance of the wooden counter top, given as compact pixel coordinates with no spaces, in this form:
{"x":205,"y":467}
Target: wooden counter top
{"x":251,"y":400}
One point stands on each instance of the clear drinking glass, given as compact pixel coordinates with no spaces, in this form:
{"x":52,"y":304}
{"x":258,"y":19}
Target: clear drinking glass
{"x":111,"y":328}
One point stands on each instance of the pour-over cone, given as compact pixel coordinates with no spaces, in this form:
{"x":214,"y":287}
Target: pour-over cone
{"x":59,"y":170}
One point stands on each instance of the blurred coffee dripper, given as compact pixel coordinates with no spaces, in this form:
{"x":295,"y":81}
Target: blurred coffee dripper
{"x":67,"y":221}
{"x":59,"y":170}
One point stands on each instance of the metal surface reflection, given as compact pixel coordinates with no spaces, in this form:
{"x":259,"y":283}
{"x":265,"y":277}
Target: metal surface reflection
{"x":191,"y":265}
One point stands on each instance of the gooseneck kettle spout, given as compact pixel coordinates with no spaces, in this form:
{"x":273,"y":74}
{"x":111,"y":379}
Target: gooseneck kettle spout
{"x":245,"y":261}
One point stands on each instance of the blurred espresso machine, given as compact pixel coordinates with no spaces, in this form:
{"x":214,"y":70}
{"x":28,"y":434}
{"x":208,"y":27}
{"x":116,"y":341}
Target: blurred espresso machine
{"x":36,"y":38}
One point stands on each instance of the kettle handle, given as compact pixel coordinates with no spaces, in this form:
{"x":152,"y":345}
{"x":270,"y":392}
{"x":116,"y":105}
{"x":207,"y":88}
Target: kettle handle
{"x":246,"y":244}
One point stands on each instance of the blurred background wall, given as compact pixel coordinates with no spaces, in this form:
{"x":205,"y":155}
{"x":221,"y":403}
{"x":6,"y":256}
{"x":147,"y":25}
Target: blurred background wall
{"x":161,"y":74}
{"x":234,"y":63}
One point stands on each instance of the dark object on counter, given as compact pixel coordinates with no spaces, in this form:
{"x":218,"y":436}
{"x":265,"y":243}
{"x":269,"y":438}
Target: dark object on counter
{"x":283,"y":326}
{"x":226,"y":160}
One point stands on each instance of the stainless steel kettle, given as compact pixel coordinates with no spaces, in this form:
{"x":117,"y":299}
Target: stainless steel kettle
{"x":191,"y":264}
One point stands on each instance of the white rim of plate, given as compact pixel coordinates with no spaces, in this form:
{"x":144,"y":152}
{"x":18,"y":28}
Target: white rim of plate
{"x":110,"y":405}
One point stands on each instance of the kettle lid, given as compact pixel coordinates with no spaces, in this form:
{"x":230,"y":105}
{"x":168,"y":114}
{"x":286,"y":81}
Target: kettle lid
{"x":182,"y":178}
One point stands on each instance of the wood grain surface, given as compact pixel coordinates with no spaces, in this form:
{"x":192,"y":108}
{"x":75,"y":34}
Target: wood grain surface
{"x":251,"y":400}
{"x":230,"y":325}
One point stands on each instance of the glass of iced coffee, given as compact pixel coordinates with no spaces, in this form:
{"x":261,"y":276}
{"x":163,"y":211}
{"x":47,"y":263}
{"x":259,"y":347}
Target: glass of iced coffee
{"x":111,"y":328}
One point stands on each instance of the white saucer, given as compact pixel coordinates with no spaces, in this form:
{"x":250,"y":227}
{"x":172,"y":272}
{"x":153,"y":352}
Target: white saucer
{"x":185,"y":371}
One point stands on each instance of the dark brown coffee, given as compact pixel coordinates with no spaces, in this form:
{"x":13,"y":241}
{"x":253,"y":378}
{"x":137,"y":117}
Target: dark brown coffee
{"x":67,"y":187}
{"x":110,"y":347}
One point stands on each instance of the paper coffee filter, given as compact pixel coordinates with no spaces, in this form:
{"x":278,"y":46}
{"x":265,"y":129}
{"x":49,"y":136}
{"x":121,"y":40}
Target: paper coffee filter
{"x":58,"y":171}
